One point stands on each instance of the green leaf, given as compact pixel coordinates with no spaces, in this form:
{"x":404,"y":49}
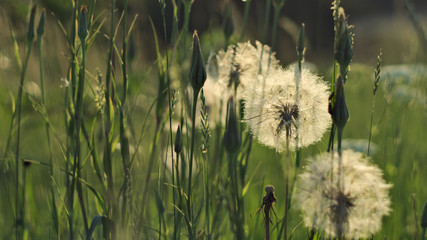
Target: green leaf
{"x":246,"y":187}
{"x":15,"y":47}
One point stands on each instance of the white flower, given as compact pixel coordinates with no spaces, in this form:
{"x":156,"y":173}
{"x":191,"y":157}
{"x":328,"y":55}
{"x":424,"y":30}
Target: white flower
{"x":287,"y":108}
{"x":353,"y":211}
{"x":239,"y":65}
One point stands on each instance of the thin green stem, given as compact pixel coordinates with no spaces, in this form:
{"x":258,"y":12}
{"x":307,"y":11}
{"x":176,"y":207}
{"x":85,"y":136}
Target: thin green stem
{"x":370,"y":125}
{"x":266,"y":20}
{"x":193,"y":136}
{"x":19,"y":203}
{"x":150,"y":167}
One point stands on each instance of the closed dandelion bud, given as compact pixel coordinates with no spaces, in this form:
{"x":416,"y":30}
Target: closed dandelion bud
{"x":340,"y":111}
{"x":300,"y":44}
{"x":228,"y":25}
{"x":30,"y":33}
{"x":82,"y":30}
{"x":197,"y":69}
{"x":344,"y":47}
{"x":178,"y":140}
{"x":40,"y":28}
{"x":232,"y":134}
{"x":423,"y":221}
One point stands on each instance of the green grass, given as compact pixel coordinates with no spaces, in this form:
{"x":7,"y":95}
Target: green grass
{"x":104,"y":173}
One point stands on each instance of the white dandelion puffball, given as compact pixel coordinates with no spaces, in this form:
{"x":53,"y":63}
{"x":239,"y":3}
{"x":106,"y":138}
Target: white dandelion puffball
{"x":287,"y":108}
{"x":353,"y":210}
{"x":239,"y":65}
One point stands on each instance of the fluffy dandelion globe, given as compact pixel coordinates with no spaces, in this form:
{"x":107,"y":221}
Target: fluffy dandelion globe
{"x":238,"y":65}
{"x":353,"y":210}
{"x":287,"y":108}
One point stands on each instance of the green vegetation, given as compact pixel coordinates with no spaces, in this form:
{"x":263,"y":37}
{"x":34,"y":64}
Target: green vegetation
{"x":118,"y":125}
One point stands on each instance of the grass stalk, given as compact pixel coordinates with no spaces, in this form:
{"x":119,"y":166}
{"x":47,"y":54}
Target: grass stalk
{"x":78,"y":117}
{"x":376,"y":82}
{"x":71,"y":124}
{"x":108,"y":135}
{"x":149,"y":169}
{"x":179,"y":188}
{"x":205,"y":163}
{"x":20,"y":213}
{"x":124,"y":141}
{"x":40,"y":32}
{"x":20,"y":203}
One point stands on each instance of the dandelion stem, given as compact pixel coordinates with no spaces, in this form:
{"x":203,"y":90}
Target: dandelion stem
{"x":193,"y":134}
{"x":267,"y":19}
{"x":285,"y":235}
{"x":245,"y":18}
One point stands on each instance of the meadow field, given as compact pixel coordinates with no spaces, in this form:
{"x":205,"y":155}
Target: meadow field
{"x":213,"y":119}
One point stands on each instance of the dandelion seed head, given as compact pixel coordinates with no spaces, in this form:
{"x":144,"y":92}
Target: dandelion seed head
{"x":287,"y":108}
{"x":358,"y":205}
{"x":240,"y":64}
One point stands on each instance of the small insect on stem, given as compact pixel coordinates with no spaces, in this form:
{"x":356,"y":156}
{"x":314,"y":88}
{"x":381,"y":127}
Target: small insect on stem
{"x":267,"y":205}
